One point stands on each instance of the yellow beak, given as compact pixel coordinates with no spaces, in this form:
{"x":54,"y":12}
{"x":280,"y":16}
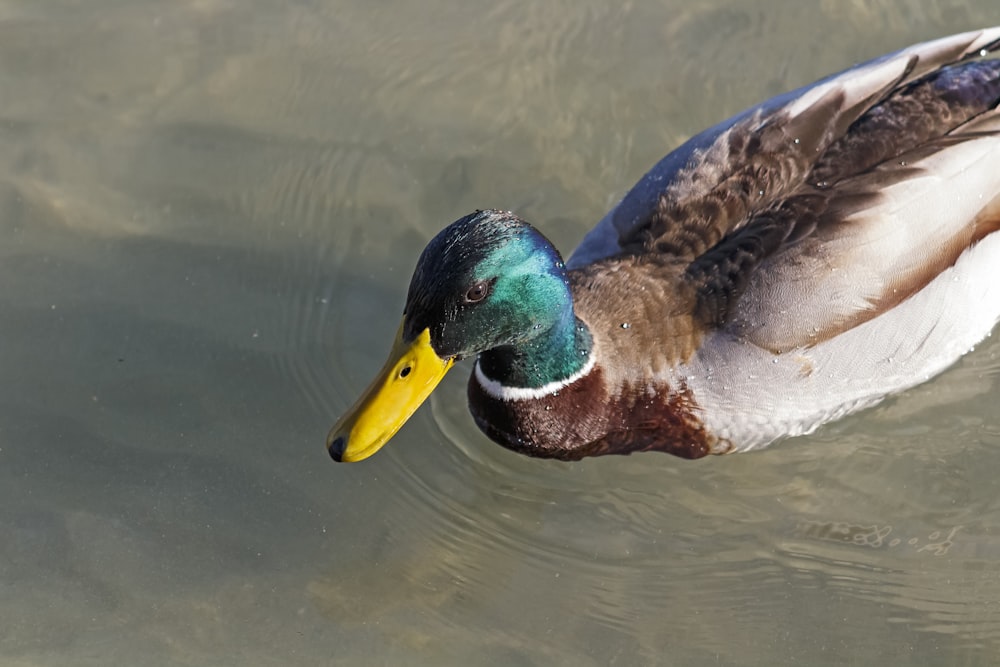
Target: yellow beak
{"x":406,"y":380}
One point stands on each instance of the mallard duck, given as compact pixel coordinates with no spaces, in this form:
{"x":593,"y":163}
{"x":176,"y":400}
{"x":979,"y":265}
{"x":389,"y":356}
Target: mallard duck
{"x":793,"y":264}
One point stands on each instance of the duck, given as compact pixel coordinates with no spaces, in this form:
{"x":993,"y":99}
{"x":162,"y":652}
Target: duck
{"x":791,"y":265}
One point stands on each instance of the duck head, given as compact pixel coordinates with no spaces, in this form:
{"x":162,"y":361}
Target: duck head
{"x":489,"y":281}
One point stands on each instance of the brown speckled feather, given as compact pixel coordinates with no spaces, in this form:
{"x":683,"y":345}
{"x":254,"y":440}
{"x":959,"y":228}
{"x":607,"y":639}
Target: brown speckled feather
{"x":775,"y":189}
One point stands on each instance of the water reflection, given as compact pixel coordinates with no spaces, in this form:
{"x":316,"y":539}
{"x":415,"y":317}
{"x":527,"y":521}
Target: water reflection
{"x":211,"y":211}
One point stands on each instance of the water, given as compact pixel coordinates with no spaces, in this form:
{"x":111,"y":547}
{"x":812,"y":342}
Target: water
{"x":210,"y":210}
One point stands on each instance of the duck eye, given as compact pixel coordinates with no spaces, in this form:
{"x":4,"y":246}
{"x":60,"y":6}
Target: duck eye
{"x":478,"y":292}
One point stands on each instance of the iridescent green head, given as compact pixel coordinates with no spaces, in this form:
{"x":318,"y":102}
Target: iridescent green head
{"x":488,"y":284}
{"x":487,"y":280}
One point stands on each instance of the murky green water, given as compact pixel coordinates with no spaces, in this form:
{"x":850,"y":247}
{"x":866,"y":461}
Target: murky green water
{"x":209,"y":212}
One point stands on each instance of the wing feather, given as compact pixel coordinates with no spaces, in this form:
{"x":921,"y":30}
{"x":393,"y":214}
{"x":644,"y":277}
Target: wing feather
{"x":824,"y":207}
{"x":813,"y":114}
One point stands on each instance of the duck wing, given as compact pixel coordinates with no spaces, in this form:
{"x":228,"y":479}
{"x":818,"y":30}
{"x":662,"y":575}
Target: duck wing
{"x":822,"y":208}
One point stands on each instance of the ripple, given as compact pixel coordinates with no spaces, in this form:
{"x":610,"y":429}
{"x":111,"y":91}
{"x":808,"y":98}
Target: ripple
{"x":643,"y":545}
{"x":913,"y":578}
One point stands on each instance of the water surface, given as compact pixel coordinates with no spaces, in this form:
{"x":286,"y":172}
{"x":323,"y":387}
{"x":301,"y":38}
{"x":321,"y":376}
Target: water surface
{"x":210,"y":211}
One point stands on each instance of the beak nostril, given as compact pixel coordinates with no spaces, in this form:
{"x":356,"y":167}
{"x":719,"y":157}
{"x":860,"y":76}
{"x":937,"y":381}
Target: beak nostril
{"x":337,"y":448}
{"x":404,"y":371}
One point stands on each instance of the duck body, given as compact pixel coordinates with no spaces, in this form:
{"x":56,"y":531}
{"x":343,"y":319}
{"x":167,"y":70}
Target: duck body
{"x":791,"y":265}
